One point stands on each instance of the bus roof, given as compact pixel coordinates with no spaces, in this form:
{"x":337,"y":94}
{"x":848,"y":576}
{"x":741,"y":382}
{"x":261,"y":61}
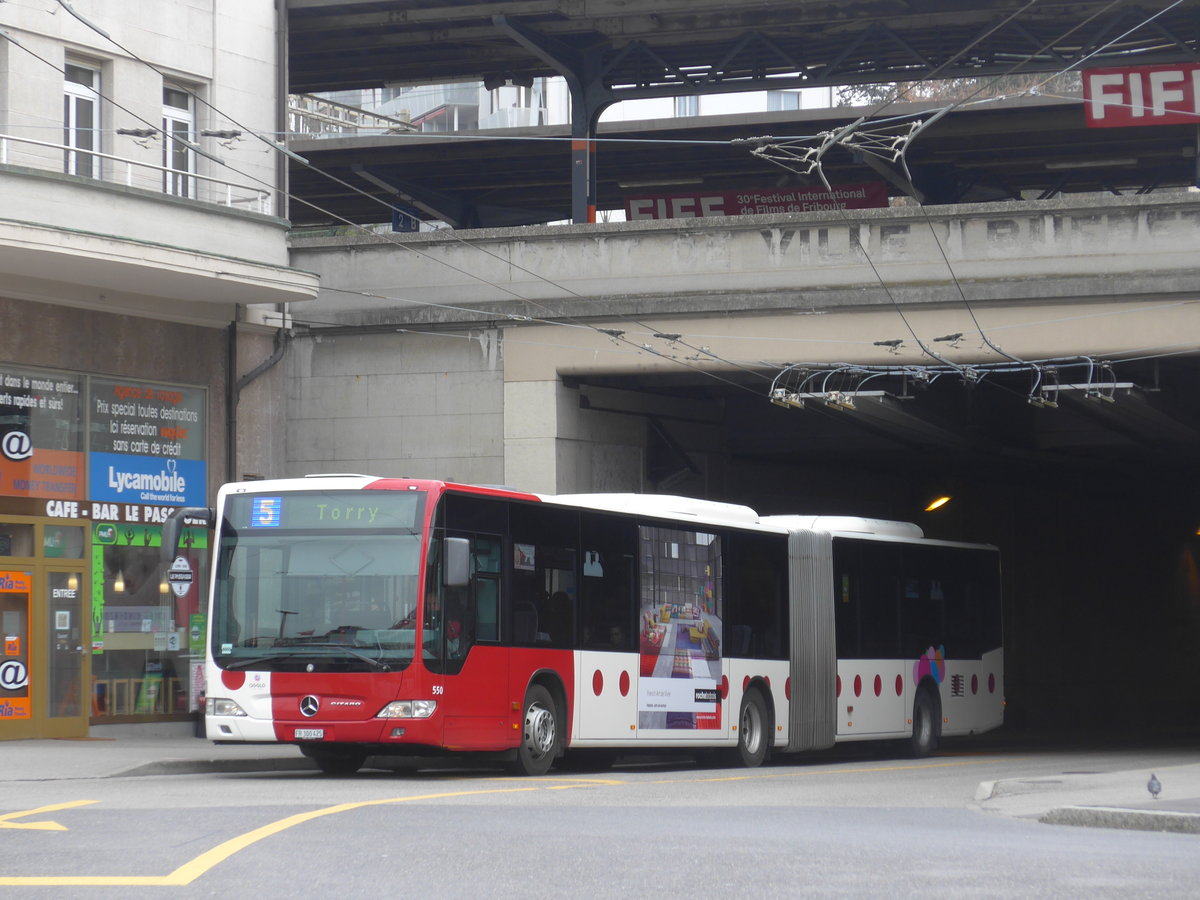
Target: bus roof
{"x":665,"y":506}
{"x":847,"y":525}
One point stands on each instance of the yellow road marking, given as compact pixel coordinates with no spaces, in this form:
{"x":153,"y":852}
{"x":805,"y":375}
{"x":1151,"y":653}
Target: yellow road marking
{"x":193,"y":869}
{"x":6,"y":819}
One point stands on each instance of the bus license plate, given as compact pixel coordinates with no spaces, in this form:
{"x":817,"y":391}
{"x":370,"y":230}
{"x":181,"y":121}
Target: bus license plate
{"x":310,"y":734}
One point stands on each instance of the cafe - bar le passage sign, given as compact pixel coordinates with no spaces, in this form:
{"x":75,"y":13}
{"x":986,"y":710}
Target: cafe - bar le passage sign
{"x":1142,"y":95}
{"x":147,"y":443}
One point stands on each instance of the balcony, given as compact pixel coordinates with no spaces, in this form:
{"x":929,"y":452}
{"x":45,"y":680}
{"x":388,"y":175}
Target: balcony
{"x":138,"y":230}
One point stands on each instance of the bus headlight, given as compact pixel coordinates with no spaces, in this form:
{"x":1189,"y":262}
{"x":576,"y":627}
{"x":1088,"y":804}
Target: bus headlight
{"x":408,"y":709}
{"x":218,"y":706}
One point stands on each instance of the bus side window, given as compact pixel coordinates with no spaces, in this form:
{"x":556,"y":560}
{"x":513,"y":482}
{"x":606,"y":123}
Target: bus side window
{"x":879,"y":610}
{"x":545,"y":564}
{"x":757,"y":605}
{"x":607,"y":588}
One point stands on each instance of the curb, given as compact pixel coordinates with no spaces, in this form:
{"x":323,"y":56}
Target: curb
{"x":1129,"y":819}
{"x":202,"y":766}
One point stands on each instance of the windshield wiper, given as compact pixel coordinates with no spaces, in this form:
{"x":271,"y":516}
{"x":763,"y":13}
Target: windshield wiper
{"x":276,"y":657}
{"x":250,"y":663}
{"x":345,"y":648}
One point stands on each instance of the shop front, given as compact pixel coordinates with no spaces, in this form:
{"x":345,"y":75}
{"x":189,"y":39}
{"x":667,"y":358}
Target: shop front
{"x":44,"y":657}
{"x":93,"y":629}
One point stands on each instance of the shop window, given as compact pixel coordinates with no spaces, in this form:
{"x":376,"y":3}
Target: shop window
{"x":15,"y":590}
{"x":142,"y":629}
{"x":16,"y":539}
{"x":63,"y":541}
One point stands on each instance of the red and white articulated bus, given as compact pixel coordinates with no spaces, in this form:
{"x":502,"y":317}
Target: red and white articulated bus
{"x":357,"y":616}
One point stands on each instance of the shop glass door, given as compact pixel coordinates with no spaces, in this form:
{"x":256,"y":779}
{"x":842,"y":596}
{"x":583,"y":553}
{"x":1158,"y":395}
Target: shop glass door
{"x":65,"y":633}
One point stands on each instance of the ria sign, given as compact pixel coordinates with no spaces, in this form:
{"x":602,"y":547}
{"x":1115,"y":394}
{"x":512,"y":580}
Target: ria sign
{"x":1142,"y":95}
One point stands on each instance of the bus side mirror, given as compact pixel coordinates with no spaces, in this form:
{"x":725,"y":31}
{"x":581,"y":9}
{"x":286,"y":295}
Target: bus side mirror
{"x":173,"y":527}
{"x":456,"y":571}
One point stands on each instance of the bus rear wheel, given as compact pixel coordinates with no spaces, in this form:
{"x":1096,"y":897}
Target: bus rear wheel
{"x":753,"y":730}
{"x":540,"y":733}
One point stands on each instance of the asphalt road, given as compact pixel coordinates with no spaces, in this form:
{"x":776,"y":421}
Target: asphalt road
{"x":854,"y":823}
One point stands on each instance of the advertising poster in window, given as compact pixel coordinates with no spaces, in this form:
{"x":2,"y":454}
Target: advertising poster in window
{"x":680,"y":630}
{"x":147,"y":443}
{"x":41,"y":434}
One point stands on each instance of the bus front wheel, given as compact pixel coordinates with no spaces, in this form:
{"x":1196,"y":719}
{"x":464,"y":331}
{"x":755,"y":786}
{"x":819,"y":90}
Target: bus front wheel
{"x":925,"y":724}
{"x":753,"y":730}
{"x":540,"y":733}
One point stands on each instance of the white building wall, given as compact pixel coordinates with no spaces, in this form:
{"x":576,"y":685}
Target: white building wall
{"x":225,"y":52}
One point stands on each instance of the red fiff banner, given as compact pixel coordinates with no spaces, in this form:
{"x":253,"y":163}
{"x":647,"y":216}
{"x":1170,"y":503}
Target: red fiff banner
{"x":1142,"y":95}
{"x":755,"y":202}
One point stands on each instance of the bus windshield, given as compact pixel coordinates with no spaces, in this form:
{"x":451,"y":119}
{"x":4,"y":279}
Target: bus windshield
{"x":325,"y":578}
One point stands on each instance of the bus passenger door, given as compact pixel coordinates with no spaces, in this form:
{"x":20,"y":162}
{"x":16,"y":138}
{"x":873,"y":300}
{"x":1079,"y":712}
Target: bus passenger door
{"x":470,"y":670}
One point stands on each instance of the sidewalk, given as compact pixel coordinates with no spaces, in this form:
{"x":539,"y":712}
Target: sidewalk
{"x":121,"y":750}
{"x":1102,"y":800}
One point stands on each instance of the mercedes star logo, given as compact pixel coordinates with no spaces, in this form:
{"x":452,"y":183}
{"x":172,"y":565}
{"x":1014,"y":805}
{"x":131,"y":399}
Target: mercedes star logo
{"x":309,"y":706}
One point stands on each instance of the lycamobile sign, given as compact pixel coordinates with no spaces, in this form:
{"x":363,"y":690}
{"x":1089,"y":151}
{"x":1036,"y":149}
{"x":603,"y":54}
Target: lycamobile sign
{"x":165,"y":481}
{"x":140,"y":479}
{"x":147,"y":443}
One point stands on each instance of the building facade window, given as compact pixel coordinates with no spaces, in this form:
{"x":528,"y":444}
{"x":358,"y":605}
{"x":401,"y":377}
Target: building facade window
{"x":178,"y":129}
{"x":777,"y":101}
{"x":81,"y":119}
{"x":687,"y":106}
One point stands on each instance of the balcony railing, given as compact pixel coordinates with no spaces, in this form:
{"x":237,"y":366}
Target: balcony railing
{"x":136,"y":173}
{"x":315,"y":116}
